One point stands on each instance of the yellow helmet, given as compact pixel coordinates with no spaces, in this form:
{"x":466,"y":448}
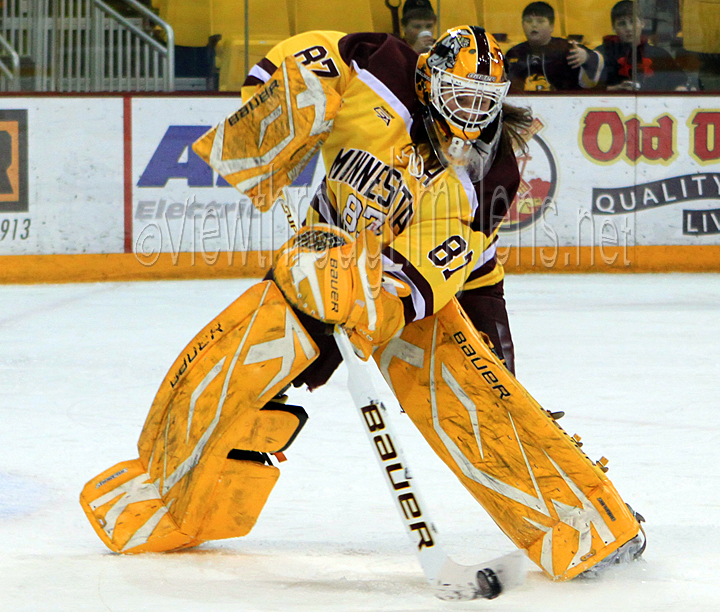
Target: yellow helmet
{"x":462,"y":81}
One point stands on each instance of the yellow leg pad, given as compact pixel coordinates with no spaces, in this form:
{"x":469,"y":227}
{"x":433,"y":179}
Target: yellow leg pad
{"x":127,"y":512}
{"x":215,"y":398}
{"x":529,"y":475}
{"x":233,"y":367}
{"x":125,"y":509}
{"x":238,"y":499}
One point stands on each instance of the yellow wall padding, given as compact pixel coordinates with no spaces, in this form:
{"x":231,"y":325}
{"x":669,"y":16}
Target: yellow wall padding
{"x":190,"y":20}
{"x":701,"y":25}
{"x":330,"y":15}
{"x":31,"y":269}
{"x":591,"y":19}
{"x":645,"y":258}
{"x":459,"y":12}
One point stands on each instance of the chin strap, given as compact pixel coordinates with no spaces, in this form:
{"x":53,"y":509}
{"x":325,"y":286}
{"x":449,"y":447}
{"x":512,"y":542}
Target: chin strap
{"x":432,"y":120}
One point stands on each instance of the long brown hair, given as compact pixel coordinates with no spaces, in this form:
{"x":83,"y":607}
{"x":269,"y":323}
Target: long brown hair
{"x":516,"y":123}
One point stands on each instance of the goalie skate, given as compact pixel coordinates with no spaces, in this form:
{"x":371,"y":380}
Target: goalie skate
{"x":628,"y":552}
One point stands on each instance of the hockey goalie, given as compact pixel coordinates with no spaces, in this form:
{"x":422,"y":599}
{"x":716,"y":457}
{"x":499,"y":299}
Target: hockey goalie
{"x":398,"y":248}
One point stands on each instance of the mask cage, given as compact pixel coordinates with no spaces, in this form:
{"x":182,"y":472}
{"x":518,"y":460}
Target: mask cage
{"x":460,"y":100}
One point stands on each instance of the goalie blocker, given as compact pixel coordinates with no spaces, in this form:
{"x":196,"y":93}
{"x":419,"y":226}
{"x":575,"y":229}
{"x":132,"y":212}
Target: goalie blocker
{"x":267,"y":142}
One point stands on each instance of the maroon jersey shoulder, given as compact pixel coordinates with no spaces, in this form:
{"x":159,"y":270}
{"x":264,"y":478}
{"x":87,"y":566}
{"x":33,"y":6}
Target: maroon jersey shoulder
{"x":389,"y":59}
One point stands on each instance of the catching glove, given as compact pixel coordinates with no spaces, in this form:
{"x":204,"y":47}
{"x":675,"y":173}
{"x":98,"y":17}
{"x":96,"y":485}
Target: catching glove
{"x":330,"y":276}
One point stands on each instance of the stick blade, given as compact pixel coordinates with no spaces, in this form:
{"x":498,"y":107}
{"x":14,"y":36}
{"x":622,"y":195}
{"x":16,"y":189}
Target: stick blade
{"x":457,"y":582}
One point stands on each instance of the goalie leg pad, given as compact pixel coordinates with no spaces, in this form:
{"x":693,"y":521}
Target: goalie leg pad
{"x":528,"y":474}
{"x":126,"y":511}
{"x":214,"y":403}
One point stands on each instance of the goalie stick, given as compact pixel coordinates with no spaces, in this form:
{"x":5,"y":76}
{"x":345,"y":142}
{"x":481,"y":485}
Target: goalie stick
{"x":449,"y":580}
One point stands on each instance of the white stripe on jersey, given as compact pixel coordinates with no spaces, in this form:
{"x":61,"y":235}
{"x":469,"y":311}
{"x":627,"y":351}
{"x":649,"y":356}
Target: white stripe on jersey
{"x":418,"y":300}
{"x":381,"y":90}
{"x":259,"y":73}
{"x":486,"y":255}
{"x":469,"y":188}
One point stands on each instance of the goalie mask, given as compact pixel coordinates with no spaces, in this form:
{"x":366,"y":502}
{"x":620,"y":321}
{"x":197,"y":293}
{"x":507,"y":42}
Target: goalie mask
{"x":462,"y":83}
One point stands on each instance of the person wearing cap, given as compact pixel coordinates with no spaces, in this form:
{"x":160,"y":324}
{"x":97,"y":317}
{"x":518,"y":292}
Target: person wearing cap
{"x":418,"y":22}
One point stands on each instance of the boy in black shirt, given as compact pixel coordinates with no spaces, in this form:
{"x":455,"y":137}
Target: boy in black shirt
{"x":547,"y":63}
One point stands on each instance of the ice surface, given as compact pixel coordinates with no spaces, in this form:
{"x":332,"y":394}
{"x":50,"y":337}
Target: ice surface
{"x":633,"y":360}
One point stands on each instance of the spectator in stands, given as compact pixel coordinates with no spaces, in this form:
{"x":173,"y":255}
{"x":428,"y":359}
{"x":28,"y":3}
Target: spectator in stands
{"x":656,"y":70}
{"x":418,"y":23}
{"x":548,"y":63}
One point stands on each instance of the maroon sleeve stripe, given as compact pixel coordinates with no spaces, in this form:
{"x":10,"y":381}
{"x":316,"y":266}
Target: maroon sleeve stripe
{"x":251,"y":80}
{"x":420,"y":303}
{"x":255,"y":79}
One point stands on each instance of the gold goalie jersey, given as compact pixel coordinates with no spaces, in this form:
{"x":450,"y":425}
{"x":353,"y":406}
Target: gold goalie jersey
{"x":437,"y":228}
